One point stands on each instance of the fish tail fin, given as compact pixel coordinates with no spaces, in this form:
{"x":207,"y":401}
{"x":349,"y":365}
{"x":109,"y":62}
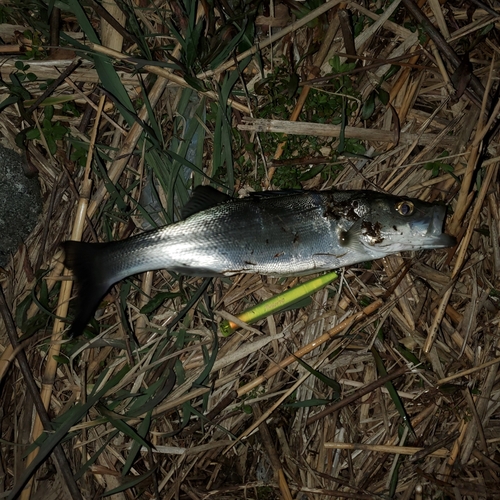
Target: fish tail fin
{"x":93,"y":279}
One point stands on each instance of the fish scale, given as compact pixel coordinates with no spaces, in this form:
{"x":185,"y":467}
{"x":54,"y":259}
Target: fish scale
{"x":284,"y":234}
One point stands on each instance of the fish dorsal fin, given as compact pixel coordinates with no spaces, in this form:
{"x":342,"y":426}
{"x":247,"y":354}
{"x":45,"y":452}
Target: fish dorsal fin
{"x":273,"y":194}
{"x":203,"y":198}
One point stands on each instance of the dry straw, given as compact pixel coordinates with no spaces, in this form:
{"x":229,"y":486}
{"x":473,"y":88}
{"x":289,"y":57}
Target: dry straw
{"x":384,"y":384}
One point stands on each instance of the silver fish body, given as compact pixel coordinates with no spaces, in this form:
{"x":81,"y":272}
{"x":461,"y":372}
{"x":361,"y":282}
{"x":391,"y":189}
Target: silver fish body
{"x":294,"y":233}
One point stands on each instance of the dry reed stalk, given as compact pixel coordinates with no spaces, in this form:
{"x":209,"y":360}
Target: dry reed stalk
{"x":431,"y":335}
{"x":323,"y":130}
{"x":272,"y":454}
{"x":363,"y":38}
{"x":397,"y":29}
{"x":438,"y":139}
{"x":495,"y":232}
{"x":474,"y":156}
{"x":146,"y":287}
{"x":471,"y":28}
{"x":6,"y":359}
{"x":404,"y":98}
{"x":442,"y":68}
{"x":51,"y":69}
{"x":367,"y":311}
{"x":439,"y":17}
{"x":110,"y":36}
{"x":481,"y":403}
{"x":384,"y":448}
{"x":362,"y":385}
{"x":392,"y":265}
{"x":470,"y":371}
{"x":477,"y":419}
{"x":321,"y":359}
{"x":359,"y":393}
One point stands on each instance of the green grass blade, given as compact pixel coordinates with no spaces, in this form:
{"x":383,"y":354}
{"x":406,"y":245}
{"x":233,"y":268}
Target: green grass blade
{"x":69,"y":419}
{"x":103,"y":65}
{"x":130,"y":483}
{"x":398,"y":403}
{"x":330,"y":382}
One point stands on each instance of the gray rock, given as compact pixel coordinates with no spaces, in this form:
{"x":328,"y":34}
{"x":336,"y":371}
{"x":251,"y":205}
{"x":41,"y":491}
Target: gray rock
{"x":20,"y":203}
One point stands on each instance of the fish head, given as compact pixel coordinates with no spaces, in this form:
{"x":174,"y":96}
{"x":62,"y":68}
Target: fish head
{"x":383,"y":224}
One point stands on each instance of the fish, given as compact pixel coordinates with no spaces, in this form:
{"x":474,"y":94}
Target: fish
{"x":279,"y":233}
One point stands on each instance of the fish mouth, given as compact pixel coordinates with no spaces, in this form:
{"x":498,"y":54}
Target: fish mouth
{"x":438,"y":239}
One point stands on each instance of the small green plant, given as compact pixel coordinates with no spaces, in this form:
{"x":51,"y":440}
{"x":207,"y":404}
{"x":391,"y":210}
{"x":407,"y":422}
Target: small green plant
{"x":438,"y":167}
{"x":23,"y":74}
{"x":5,"y":14}
{"x":52,"y":131}
{"x":333,"y":105}
{"x":17,"y":93}
{"x":33,"y":50}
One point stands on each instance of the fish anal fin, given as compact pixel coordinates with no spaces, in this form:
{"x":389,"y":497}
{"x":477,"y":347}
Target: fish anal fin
{"x":203,"y":198}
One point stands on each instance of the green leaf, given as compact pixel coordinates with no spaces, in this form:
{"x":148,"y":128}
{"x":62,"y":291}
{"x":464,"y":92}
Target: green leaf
{"x":335,"y":64}
{"x":86,"y":466}
{"x":21,"y":311}
{"x":368,"y":107}
{"x":312,"y":172}
{"x":487,"y":29}
{"x":17,"y":87}
{"x":333,"y":384}
{"x":13,"y":99}
{"x":117,"y":421}
{"x":293,"y":85}
{"x":157,"y":301}
{"x":142,"y":431}
{"x":196,"y":83}
{"x":63,"y":360}
{"x":130,"y":483}
{"x":104,"y":67}
{"x":59,"y":131}
{"x":209,"y":363}
{"x":408,"y":355}
{"x":398,"y":403}
{"x":51,"y":144}
{"x":383,"y":96}
{"x":49,"y":113}
{"x":225,"y":49}
{"x":62,"y":424}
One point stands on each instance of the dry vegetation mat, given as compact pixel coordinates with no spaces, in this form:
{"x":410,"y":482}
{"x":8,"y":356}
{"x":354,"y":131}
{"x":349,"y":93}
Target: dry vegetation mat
{"x":383,"y":383}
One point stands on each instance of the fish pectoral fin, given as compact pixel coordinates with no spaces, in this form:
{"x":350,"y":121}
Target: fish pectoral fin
{"x":203,"y":198}
{"x":352,"y":238}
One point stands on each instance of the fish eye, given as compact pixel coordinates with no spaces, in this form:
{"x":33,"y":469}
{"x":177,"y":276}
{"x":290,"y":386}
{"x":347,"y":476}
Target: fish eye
{"x":405,"y":207}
